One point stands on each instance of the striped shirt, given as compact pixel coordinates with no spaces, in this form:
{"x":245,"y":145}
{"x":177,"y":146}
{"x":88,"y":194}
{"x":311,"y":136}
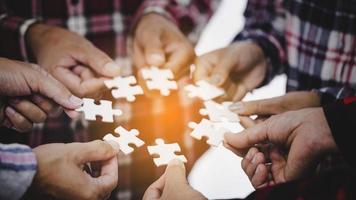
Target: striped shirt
{"x":313,"y":42}
{"x":18,"y":166}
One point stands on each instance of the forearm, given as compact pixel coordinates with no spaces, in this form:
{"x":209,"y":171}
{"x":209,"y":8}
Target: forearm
{"x":18,"y":166}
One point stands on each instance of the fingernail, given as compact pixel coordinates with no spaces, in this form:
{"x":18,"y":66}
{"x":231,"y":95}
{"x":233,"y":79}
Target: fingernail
{"x":254,"y":159}
{"x":249,"y":155}
{"x":112,"y":68}
{"x":72,"y":114}
{"x":175,"y":162}
{"x":10,"y":111}
{"x":157,"y":58}
{"x":114,"y":145}
{"x":259,"y":168}
{"x":236,"y":106}
{"x":75,"y":100}
{"x":215,"y":80}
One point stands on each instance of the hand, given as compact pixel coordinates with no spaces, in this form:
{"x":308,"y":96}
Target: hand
{"x":238,"y":68}
{"x":62,"y":174}
{"x":71,"y":59}
{"x":159,"y":42}
{"x":297,"y":138}
{"x":29,"y":94}
{"x":172,"y":185}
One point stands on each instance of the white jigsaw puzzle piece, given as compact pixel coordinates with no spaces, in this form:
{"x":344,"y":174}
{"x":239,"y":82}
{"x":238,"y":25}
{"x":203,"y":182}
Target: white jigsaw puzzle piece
{"x":166,"y":152}
{"x":124,"y":87}
{"x":126,"y":137}
{"x":219,"y":112}
{"x":159,"y":79}
{"x":204,"y":90}
{"x":232,"y":127}
{"x":104,"y":109}
{"x":208,"y":129}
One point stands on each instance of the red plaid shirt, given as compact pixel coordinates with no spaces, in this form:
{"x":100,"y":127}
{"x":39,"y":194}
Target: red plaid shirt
{"x":107,"y":24}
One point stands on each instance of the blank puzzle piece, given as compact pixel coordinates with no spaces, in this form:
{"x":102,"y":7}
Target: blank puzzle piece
{"x":159,"y":79}
{"x":208,"y":129}
{"x":166,"y":152}
{"x":104,"y":109}
{"x":126,"y":138}
{"x":124,"y":87}
{"x":204,"y":90}
{"x":219,"y":112}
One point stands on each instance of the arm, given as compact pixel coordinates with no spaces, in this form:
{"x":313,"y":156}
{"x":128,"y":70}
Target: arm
{"x":261,"y":26}
{"x":341,"y":117}
{"x":18,"y":166}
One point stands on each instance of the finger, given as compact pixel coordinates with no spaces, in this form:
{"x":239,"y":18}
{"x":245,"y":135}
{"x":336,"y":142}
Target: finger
{"x":138,"y":56}
{"x":108,"y":178}
{"x":240,"y":92}
{"x":260,"y":177}
{"x":51,"y":88}
{"x":97,"y":150}
{"x":221,"y":72}
{"x":203,"y":66}
{"x":248,"y":137}
{"x":258,"y":107}
{"x":246,"y":122}
{"x":47,"y":105}
{"x":98,"y":61}
{"x":180,"y":58}
{"x":247,"y":159}
{"x":28,"y":110}
{"x":175,"y":173}
{"x":257,"y":159}
{"x":18,"y":121}
{"x":153,"y":49}
{"x":154,"y":191}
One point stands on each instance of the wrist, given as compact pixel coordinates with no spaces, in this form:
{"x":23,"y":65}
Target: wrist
{"x":34,"y":36}
{"x":328,"y":144}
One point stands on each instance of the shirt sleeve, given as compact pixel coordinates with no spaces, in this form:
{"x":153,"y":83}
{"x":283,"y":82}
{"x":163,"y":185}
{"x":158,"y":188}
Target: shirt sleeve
{"x":12,"y":34}
{"x":330,"y":94}
{"x":190,"y":16}
{"x":341,"y":117}
{"x":264,"y":25}
{"x":18,"y":166}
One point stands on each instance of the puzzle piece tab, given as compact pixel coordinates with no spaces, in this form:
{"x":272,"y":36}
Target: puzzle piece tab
{"x":159,"y":79}
{"x":203,"y":90}
{"x":124,"y":87}
{"x":219,"y":112}
{"x":208,"y":129}
{"x":126,"y":138}
{"x":104,"y":109}
{"x":166,"y":152}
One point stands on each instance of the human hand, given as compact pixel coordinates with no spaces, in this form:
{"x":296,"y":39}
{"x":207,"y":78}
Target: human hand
{"x":61,"y":170}
{"x":29,"y":94}
{"x":297,"y":140}
{"x":159,"y":42}
{"x":238,"y":68}
{"x":71,"y":59}
{"x":172,"y":185}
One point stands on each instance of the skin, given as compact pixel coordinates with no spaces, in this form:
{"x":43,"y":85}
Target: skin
{"x":62,"y":174}
{"x":159,"y":42}
{"x":29,"y":94}
{"x":172,"y":185}
{"x":296,"y":140}
{"x":244,"y":61}
{"x":71,"y":59}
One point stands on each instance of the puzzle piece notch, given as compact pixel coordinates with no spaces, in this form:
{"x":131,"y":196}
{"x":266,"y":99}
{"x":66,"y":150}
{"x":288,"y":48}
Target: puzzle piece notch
{"x":104,"y":110}
{"x":159,"y":79}
{"x":207,"y":129}
{"x":219,"y":112}
{"x":204,"y":90}
{"x":126,"y":137}
{"x":124,"y":87}
{"x":165,"y":151}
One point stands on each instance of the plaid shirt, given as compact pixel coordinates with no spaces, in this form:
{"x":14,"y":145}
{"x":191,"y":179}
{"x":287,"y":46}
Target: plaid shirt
{"x":107,"y":24}
{"x":313,"y":42}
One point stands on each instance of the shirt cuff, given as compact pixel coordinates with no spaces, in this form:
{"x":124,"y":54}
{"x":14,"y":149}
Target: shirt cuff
{"x":18,"y":166}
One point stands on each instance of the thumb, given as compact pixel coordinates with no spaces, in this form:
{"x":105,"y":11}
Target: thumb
{"x":99,"y":62}
{"x":175,"y":173}
{"x":221,"y":72}
{"x":97,"y":150}
{"x":43,"y":83}
{"x":153,"y":51}
{"x":248,"y":137}
{"x":258,"y":107}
